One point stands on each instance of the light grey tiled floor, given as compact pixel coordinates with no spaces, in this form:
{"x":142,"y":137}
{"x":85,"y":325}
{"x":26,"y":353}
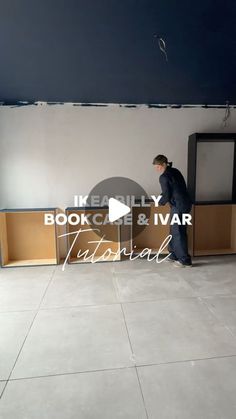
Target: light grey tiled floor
{"x":194,"y":389}
{"x":2,"y":384}
{"x":131,"y":339}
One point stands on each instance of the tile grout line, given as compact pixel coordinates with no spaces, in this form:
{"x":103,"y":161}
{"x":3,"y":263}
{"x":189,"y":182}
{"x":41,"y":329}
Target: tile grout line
{"x":61,"y":374}
{"x":141,"y":391}
{"x":157,"y":300}
{"x":188,"y":360}
{"x":122,"y":368}
{"x":126,"y":327}
{"x":27,"y":334}
{"x":135,"y":366}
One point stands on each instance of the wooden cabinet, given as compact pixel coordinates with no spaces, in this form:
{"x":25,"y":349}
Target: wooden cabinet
{"x":25,"y":240}
{"x":152,"y":236}
{"x":214,"y":229}
{"x":85,"y":247}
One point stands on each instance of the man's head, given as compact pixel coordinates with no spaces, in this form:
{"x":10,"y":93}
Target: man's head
{"x":160,"y":163}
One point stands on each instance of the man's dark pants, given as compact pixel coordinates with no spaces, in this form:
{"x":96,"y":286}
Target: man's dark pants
{"x":178,"y":246}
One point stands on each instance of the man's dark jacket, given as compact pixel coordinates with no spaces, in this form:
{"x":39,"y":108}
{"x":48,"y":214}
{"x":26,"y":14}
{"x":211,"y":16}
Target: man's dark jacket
{"x":174,"y":190}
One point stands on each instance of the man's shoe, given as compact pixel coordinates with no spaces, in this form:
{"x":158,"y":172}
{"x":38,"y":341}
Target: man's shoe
{"x":169,"y":259}
{"x":179,"y":264}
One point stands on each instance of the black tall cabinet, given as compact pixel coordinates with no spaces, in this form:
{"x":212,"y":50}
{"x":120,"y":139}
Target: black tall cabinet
{"x":212,"y":187}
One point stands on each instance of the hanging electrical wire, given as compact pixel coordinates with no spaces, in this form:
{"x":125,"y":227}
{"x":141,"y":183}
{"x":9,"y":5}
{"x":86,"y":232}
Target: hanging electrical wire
{"x":227,"y":115}
{"x":162,"y":45}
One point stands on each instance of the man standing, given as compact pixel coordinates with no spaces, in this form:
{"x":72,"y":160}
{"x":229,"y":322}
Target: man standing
{"x":174,"y":192}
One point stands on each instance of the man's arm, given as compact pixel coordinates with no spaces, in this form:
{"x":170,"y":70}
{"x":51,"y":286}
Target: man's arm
{"x":166,"y":193}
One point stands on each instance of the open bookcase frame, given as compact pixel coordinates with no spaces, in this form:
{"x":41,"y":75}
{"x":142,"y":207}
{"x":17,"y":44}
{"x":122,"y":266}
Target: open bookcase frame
{"x":25,"y":240}
{"x":214,"y":229}
{"x":82,"y":243}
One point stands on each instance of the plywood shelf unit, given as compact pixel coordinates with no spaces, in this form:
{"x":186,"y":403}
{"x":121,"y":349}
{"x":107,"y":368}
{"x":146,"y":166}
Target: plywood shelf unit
{"x":25,"y":240}
{"x":84,"y":248}
{"x":152,"y":236}
{"x":214,"y":229}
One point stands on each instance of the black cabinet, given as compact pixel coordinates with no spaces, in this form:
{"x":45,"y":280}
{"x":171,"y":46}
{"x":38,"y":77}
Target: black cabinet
{"x":212,"y":187}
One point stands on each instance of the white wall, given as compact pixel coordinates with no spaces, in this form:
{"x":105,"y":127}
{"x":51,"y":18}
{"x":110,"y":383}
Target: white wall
{"x":49,"y":153}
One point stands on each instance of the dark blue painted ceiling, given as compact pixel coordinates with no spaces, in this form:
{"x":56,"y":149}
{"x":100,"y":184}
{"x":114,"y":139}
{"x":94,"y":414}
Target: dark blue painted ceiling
{"x":105,"y":51}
